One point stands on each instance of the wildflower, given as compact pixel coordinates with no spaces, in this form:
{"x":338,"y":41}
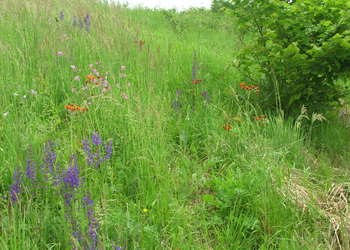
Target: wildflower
{"x":81,"y":24}
{"x":50,"y":156}
{"x":108,"y":149}
{"x":91,"y":65}
{"x":124,"y":96}
{"x":76,"y":78}
{"x":87,"y":21}
{"x":122,"y":68}
{"x":72,"y":178}
{"x":197,"y":81}
{"x":60,"y":53}
{"x":33,"y":92}
{"x":30,"y":170}
{"x":227,"y":127}
{"x":96,"y":139}
{"x":129,"y":84}
{"x":16,"y":186}
{"x":73,"y":67}
{"x":24,"y":97}
{"x":145,"y":210}
{"x":243,"y":85}
{"x":91,"y":78}
{"x":260,"y":118}
{"x":74,"y":107}
{"x":15,"y":94}
{"x":5,"y":114}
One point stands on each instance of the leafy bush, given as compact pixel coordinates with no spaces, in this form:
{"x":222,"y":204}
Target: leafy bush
{"x":298,"y":51}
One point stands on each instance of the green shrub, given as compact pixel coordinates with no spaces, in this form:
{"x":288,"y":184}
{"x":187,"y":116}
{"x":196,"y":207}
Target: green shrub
{"x":297,"y":52}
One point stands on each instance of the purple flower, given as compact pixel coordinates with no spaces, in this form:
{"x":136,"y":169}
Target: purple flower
{"x":87,"y":149}
{"x":30,"y":171}
{"x":93,"y":227}
{"x":108,"y":149}
{"x":71,"y":178}
{"x":50,"y":156}
{"x":176,"y":105}
{"x":87,"y":201}
{"x":16,"y":186}
{"x":96,"y":139}
{"x":87,"y":21}
{"x":81,"y":24}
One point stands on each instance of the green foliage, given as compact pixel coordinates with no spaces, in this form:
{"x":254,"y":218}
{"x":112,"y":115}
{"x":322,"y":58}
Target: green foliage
{"x":298,"y":51}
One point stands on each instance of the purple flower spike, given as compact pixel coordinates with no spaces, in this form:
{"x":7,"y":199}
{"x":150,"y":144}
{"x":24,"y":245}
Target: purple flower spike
{"x":30,"y":171}
{"x":16,"y":186}
{"x":87,"y":21}
{"x":87,"y":201}
{"x":72,"y":178}
{"x":81,"y":24}
{"x":96,"y":139}
{"x":109,"y":149}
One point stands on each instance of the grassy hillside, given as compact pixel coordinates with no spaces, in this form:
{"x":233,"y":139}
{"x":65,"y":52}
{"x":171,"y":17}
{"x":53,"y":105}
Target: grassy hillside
{"x":129,"y":129}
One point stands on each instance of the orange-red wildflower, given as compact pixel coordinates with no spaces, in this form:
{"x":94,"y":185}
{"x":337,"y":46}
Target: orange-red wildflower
{"x":227,"y":127}
{"x":194,"y":82}
{"x":74,"y":107}
{"x":259,"y":118}
{"x":90,"y":78}
{"x":246,"y":86}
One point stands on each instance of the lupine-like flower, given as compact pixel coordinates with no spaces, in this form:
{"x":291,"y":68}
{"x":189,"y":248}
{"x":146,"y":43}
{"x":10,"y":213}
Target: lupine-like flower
{"x":71,"y":178}
{"x":108,"y":149}
{"x":93,"y":224}
{"x":50,"y":156}
{"x":96,"y":139}
{"x":176,"y":105}
{"x":30,"y":168}
{"x":87,"y":21}
{"x":16,"y":186}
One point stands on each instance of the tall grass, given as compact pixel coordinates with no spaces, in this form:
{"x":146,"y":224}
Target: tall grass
{"x":191,"y":167}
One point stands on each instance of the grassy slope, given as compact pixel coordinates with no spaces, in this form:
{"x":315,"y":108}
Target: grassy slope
{"x":204,"y":187}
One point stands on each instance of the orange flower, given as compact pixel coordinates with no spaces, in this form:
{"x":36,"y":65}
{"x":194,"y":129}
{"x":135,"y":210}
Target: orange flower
{"x":259,"y":118}
{"x":194,"y":82}
{"x":74,"y":107}
{"x":243,"y":85}
{"x":90,"y":78}
{"x":227,"y":127}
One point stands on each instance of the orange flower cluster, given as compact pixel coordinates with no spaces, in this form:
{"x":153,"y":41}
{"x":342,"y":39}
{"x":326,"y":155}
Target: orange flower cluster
{"x":74,"y":107}
{"x":246,"y":86}
{"x":227,"y":127}
{"x":91,"y":78}
{"x":194,"y":82}
{"x":259,"y":118}
{"x":140,"y":42}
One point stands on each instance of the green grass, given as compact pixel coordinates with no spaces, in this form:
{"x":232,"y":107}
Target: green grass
{"x":176,"y":179}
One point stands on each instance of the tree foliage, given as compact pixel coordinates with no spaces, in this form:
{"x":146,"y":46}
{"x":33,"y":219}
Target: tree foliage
{"x":298,"y":51}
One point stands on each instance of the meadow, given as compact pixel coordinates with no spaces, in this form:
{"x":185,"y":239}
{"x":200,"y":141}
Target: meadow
{"x":131,"y":129}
